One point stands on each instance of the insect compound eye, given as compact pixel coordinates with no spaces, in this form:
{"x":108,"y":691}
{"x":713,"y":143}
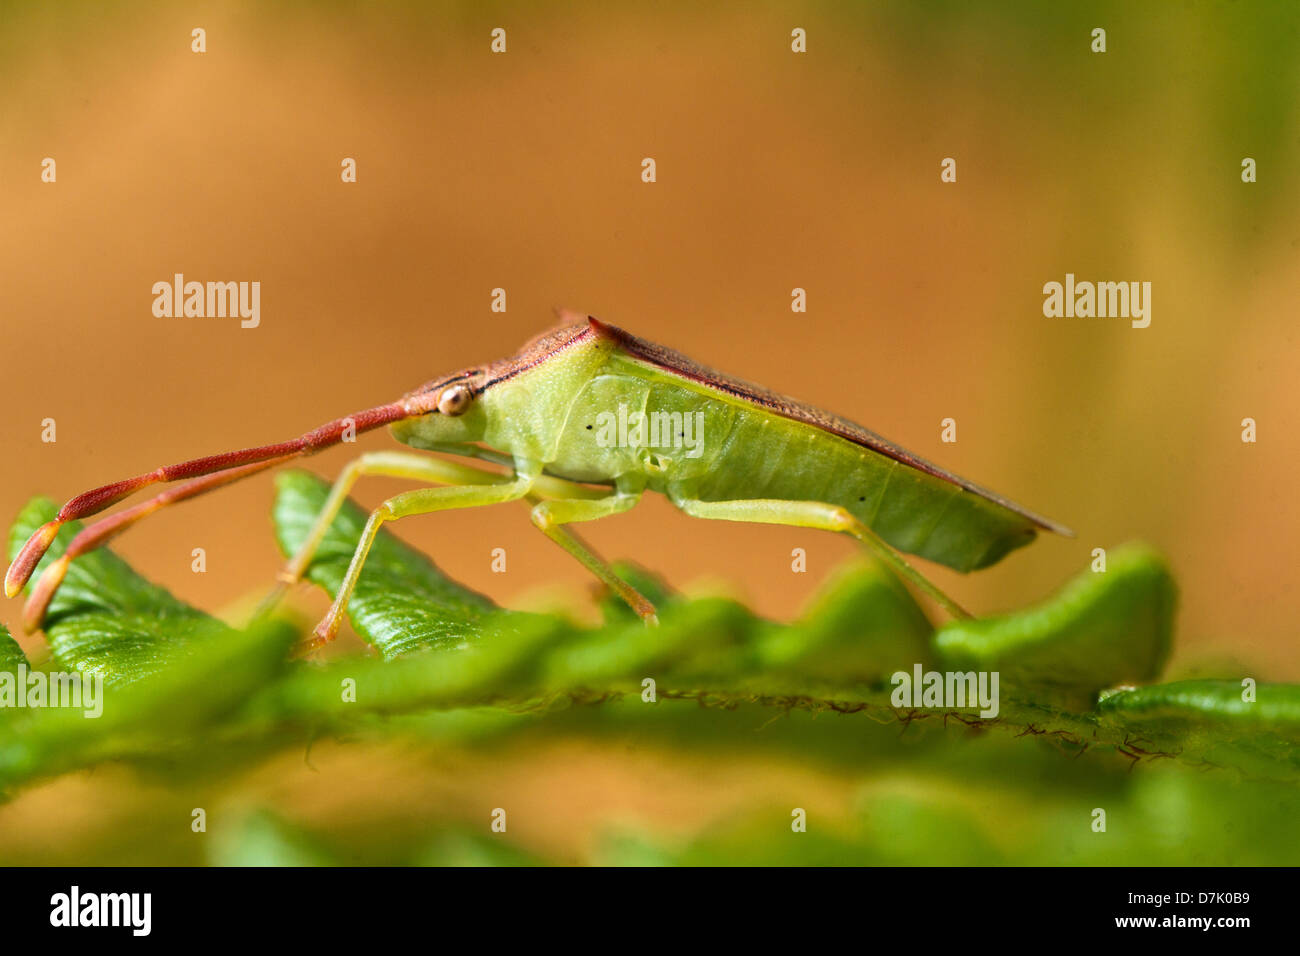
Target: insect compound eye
{"x":454,"y":400}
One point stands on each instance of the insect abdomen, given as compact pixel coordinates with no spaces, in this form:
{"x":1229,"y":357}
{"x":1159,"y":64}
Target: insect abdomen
{"x":748,"y":452}
{"x":770,"y":457}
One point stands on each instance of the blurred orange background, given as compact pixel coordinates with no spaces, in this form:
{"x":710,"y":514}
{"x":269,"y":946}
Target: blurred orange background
{"x":775,"y":170}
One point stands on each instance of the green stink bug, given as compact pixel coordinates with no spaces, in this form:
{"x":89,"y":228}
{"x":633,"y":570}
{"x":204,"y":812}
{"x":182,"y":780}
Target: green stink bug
{"x":587,"y":418}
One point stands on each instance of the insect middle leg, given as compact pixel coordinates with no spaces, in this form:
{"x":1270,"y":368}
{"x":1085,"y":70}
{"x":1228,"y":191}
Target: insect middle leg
{"x":825,"y":517}
{"x":550,"y":517}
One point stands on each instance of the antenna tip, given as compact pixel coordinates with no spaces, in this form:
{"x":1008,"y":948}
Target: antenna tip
{"x":26,"y":560}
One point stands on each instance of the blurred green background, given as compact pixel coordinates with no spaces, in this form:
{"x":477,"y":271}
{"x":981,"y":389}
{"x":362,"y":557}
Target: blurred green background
{"x":775,"y":170}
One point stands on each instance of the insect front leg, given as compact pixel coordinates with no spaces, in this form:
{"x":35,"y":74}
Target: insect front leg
{"x":398,"y":464}
{"x":825,"y":517}
{"x":420,"y":501}
{"x":550,"y":517}
{"x":391,"y":464}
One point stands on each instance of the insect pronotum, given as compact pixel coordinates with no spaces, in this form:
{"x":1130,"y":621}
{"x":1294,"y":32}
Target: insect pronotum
{"x":550,"y":415}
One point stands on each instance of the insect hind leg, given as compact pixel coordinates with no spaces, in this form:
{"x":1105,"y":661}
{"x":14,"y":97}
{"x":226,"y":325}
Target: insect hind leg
{"x":822,"y":516}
